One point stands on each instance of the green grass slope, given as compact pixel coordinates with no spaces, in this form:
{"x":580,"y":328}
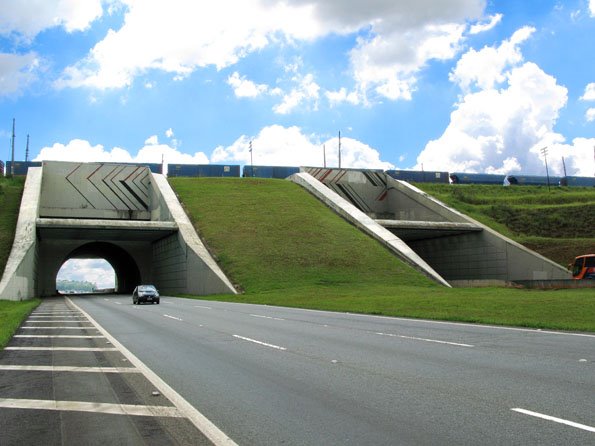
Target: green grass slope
{"x":283,"y":247}
{"x":272,"y":235}
{"x":11,"y":191}
{"x":557,"y":223}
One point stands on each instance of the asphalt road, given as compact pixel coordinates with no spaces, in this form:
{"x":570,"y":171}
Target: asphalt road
{"x":271,"y":376}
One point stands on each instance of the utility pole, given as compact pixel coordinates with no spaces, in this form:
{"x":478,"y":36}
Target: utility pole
{"x":564,"y":166}
{"x":544,"y":153}
{"x":27,"y":150}
{"x":324,"y":155}
{"x":339,"y":149}
{"x":12,"y":145}
{"x":251,"y":163}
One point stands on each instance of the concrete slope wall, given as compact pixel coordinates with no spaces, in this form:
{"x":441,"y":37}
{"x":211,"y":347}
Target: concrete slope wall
{"x":480,"y":254}
{"x":18,"y":281}
{"x":181,"y":262}
{"x":485,"y":255}
{"x":366,"y":224}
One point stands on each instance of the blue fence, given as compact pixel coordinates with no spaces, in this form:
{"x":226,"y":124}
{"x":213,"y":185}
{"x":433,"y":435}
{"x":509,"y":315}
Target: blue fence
{"x":280,"y":172}
{"x":419,"y":176}
{"x":202,"y":170}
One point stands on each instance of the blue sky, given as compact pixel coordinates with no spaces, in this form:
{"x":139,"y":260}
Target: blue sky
{"x":463,"y":85}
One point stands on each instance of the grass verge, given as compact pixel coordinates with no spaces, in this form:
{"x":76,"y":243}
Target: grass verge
{"x":12,"y":315}
{"x":11,"y":191}
{"x":285,"y":248}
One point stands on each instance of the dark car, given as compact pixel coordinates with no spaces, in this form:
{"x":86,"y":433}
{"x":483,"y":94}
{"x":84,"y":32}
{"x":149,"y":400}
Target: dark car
{"x":145,"y":293}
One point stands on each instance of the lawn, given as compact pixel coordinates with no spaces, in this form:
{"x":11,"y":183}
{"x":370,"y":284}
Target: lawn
{"x":11,"y":316}
{"x":11,"y":191}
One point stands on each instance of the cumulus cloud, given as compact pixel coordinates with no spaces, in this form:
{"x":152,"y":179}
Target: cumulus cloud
{"x":590,"y":115}
{"x":486,"y":68}
{"x":492,"y":21}
{"x":342,"y":96}
{"x":17,"y":71}
{"x":506,"y":115}
{"x":396,"y":39}
{"x":589,"y":92}
{"x":592,"y":7}
{"x":152,"y":152}
{"x":288,"y":146}
{"x":28,"y":18}
{"x":305,"y":91}
{"x":244,"y":88}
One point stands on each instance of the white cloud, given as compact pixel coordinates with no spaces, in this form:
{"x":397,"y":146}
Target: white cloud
{"x":244,"y":88}
{"x":306,"y":90}
{"x":189,"y":35}
{"x":97,"y":271}
{"x":590,"y":115}
{"x":169,"y":133}
{"x":288,"y":146}
{"x":29,"y":17}
{"x":502,"y":129}
{"x":592,"y":7}
{"x":152,"y":140}
{"x":396,"y":38}
{"x":17,"y":71}
{"x":388,"y":63}
{"x":589,"y":91}
{"x":493,"y":20}
{"x":340,"y":96}
{"x":152,"y":152}
{"x":487,"y":67}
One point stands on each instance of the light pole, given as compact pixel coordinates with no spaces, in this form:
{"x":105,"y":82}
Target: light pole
{"x":544,"y":153}
{"x":251,"y":163}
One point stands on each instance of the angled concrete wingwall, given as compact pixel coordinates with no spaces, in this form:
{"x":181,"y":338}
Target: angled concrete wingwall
{"x":18,"y":281}
{"x":456,"y":247}
{"x":121,"y":213}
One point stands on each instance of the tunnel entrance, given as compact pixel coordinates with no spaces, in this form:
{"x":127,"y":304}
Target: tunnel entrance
{"x":77,"y":276}
{"x":126,"y":271}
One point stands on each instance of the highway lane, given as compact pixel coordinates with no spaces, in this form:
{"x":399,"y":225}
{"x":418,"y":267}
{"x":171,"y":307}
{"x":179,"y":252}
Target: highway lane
{"x":269,"y":375}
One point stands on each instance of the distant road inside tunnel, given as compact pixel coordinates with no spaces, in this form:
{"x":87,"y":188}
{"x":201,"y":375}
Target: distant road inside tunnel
{"x":269,"y":375}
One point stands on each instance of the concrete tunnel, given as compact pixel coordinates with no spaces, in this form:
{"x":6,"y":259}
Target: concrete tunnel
{"x":125,"y":267}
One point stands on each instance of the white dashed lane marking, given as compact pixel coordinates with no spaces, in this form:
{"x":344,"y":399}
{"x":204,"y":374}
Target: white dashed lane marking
{"x":554,"y":419}
{"x":265,"y":344}
{"x":413,"y":338}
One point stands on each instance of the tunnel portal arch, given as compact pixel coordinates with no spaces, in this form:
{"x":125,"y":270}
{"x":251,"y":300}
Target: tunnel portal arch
{"x":125,"y":267}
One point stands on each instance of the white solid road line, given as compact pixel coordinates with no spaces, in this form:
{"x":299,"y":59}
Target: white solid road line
{"x":54,"y":322}
{"x":57,"y":328}
{"x":266,"y":344}
{"x":413,"y":338}
{"x":84,"y":406}
{"x":554,"y":419}
{"x":203,"y":424}
{"x":59,"y":336}
{"x":56,"y":316}
{"x":173,"y":317}
{"x":66,"y":349}
{"x":202,"y":306}
{"x":59,"y":368}
{"x":267,"y":317}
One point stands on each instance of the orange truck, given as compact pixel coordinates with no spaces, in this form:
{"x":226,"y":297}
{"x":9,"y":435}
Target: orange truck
{"x":584,"y":267}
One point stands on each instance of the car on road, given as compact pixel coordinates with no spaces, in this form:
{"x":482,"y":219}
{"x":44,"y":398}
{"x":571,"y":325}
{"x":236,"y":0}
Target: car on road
{"x":145,"y":293}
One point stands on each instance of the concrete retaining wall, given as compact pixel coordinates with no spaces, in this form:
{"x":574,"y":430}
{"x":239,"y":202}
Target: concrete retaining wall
{"x":18,"y":281}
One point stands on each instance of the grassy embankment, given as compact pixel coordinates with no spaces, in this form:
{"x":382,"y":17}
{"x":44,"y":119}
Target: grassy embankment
{"x":556,"y":223}
{"x":281,"y":246}
{"x":11,"y":313}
